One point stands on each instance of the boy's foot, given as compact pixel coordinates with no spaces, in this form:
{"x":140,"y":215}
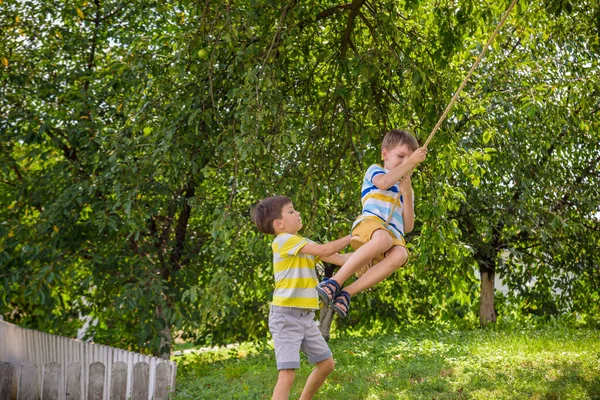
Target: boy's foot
{"x":341,"y":304}
{"x":327,"y":289}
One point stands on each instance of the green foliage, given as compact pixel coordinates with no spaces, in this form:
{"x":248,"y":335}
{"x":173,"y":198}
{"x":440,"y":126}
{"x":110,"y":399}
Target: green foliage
{"x":136,"y":137}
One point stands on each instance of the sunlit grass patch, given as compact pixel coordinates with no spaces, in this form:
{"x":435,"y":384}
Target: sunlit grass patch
{"x":479,"y":364}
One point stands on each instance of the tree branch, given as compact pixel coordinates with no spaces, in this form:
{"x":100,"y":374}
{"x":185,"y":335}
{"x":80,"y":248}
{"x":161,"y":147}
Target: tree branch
{"x":69,"y":152}
{"x":325,"y":14}
{"x":589,"y":171}
{"x":346,"y":41}
{"x":181,"y":227}
{"x":8,"y":183}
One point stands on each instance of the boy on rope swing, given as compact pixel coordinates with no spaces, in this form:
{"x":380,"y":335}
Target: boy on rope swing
{"x":291,"y":315}
{"x":387,"y":214}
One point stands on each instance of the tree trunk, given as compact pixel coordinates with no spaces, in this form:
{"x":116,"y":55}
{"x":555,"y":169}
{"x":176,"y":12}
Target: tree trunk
{"x":486,"y":255}
{"x":166,"y":337}
{"x":326,"y":314}
{"x":325,"y":320}
{"x":487,"y":311}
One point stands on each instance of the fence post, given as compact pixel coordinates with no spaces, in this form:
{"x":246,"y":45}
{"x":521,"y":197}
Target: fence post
{"x":28,"y":382}
{"x":162,"y":381}
{"x":96,"y":382}
{"x":73,"y":381}
{"x":118,"y":381}
{"x":51,"y":381}
{"x":6,"y":377}
{"x":141,"y":381}
{"x":173,"y":377}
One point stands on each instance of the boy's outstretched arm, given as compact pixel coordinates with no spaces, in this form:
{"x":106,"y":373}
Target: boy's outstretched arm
{"x":325,"y":249}
{"x":337,"y":259}
{"x":386,"y":181}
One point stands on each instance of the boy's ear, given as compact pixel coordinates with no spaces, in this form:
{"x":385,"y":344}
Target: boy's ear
{"x":384,"y":153}
{"x":277,"y":224}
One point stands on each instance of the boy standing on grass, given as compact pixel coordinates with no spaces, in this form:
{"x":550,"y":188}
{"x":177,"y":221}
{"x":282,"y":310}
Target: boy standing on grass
{"x":386,"y":216}
{"x":291,"y":316}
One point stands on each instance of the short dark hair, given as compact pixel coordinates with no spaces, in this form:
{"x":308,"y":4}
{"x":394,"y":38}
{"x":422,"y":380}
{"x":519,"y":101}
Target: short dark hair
{"x":398,"y":137}
{"x":267,"y":211}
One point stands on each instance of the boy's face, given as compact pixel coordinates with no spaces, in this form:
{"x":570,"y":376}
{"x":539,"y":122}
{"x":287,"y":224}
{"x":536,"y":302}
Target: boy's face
{"x":290,"y":221}
{"x":396,"y":156}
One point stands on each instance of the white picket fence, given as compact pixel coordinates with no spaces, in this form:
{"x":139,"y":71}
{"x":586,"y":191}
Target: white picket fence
{"x":39,"y":365}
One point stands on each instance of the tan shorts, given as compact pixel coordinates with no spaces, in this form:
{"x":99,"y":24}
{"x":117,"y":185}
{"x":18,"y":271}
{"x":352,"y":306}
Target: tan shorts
{"x":294,"y":330}
{"x":363,"y":232}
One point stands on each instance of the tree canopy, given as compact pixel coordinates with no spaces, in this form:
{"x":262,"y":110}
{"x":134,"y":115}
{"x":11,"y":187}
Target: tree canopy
{"x":137,"y":136}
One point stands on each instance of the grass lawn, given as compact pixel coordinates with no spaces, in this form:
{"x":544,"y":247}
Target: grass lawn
{"x":544,"y":363}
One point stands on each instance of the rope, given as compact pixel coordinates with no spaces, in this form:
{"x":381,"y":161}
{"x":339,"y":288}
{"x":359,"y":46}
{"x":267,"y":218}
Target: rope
{"x":455,"y":97}
{"x":475,"y":65}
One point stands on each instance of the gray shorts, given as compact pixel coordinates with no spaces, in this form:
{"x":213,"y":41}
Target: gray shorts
{"x":294,"y":329}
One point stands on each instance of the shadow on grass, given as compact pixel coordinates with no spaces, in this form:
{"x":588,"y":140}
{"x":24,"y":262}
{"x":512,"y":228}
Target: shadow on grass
{"x":541,"y":379}
{"x":230,"y":375}
{"x":567,"y":377}
{"x":415,"y":366}
{"x":406,"y":368}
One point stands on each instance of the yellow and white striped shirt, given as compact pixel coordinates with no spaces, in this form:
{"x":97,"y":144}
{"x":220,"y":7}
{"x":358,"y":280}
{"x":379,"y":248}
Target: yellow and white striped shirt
{"x":295,"y":275}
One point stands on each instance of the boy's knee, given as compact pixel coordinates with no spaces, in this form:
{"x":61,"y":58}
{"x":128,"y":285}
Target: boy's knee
{"x":399,"y":254}
{"x":327,"y":366}
{"x":383,"y":238}
{"x":287,"y":376}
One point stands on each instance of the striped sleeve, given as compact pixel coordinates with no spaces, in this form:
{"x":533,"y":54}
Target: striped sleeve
{"x":290,"y":245}
{"x":373,"y":171}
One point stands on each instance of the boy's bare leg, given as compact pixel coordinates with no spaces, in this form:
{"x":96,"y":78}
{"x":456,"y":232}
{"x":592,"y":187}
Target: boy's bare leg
{"x":284,"y":384}
{"x":317,"y":377}
{"x":380,"y":242}
{"x":394,"y":259}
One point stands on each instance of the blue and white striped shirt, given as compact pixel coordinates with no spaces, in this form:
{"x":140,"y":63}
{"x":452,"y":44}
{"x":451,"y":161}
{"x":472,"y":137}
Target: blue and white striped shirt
{"x":377,"y":203}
